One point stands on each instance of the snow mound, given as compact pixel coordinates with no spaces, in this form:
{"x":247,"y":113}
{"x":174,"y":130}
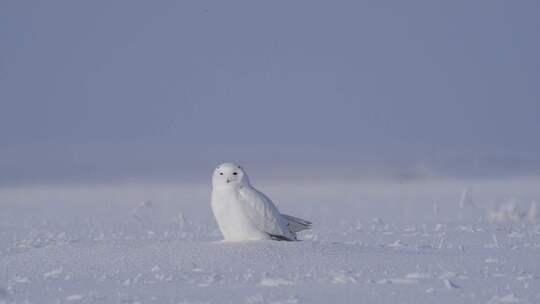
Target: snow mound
{"x":510,"y":213}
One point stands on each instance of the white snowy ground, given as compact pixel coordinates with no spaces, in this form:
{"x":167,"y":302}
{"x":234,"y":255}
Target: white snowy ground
{"x":372,"y":242}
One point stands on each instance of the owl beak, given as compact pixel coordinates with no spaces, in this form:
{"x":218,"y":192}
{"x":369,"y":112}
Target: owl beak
{"x":228,"y":180}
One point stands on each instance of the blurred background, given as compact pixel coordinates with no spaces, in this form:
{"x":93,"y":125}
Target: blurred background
{"x":112,"y":91}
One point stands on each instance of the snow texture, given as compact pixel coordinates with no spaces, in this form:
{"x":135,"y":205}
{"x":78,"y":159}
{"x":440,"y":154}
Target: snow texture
{"x":372,"y":242}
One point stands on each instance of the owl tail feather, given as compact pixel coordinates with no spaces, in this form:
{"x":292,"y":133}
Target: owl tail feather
{"x":297,"y":224}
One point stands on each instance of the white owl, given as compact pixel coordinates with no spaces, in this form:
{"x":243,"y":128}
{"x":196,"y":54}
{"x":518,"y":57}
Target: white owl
{"x":244,"y":213}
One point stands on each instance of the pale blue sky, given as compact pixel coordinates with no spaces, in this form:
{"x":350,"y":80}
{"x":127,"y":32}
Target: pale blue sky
{"x":101,"y":90}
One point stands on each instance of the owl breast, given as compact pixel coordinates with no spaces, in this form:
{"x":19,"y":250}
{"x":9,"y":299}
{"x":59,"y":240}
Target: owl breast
{"x":231,"y":217}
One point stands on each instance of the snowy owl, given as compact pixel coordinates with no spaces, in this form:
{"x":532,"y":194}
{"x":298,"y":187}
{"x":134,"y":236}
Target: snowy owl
{"x":244,"y":213}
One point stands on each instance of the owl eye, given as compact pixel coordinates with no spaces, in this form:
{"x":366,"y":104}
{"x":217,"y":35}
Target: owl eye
{"x":220,"y":173}
{"x":234,"y":173}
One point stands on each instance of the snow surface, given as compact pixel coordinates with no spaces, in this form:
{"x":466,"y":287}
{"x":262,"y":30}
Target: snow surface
{"x":372,"y":242}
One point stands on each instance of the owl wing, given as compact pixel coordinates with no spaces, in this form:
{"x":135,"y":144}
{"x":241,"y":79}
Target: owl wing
{"x":262,"y":212}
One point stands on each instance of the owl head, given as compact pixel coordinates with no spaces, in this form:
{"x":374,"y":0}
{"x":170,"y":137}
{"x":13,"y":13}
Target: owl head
{"x":229,"y":175}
